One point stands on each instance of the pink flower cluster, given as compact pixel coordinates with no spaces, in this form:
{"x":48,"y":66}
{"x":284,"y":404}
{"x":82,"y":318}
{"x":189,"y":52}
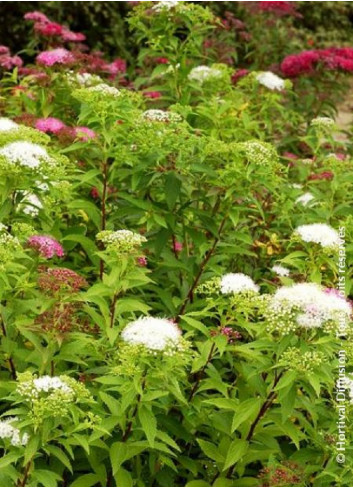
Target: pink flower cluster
{"x":307,"y":62}
{"x":278,"y":8}
{"x":152,"y":95}
{"x":46,"y":246}
{"x":45,"y":27}
{"x":237,"y":75}
{"x":50,"y":124}
{"x":56,"y":126}
{"x":7,"y":61}
{"x":325,"y":175}
{"x":55,"y":56}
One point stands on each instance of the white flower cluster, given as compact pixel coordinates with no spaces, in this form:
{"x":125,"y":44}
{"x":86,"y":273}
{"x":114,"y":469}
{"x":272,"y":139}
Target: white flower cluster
{"x":165,"y":5}
{"x":310,"y":306}
{"x":157,"y":115}
{"x":323,"y":123}
{"x":7,"y":431}
{"x":203,"y":73}
{"x":235,"y":283}
{"x":7,"y":124}
{"x":122,"y":241}
{"x":152,"y":333}
{"x":305,"y":199}
{"x":270,"y":80}
{"x":104,"y":89}
{"x":32,"y":388}
{"x":84,"y":79}
{"x":281,"y":271}
{"x":25,"y":154}
{"x":321,"y":234}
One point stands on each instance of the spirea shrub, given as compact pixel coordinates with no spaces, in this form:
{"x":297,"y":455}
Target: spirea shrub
{"x":174,"y":269}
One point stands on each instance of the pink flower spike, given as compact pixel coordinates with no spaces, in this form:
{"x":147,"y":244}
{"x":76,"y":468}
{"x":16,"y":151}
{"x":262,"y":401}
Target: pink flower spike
{"x":84,"y":133}
{"x":50,"y":124}
{"x":59,"y":55}
{"x":46,"y":246}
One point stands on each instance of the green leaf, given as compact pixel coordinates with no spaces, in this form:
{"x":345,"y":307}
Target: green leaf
{"x":120,"y":452}
{"x":123,"y":478}
{"x":31,"y":449}
{"x":60,"y":455}
{"x":87,"y":480}
{"x":148,"y":422}
{"x":236,"y":450}
{"x":8,"y":459}
{"x":287,"y":379}
{"x":245,"y":410}
{"x":47,"y":478}
{"x":172,"y":189}
{"x":210,"y":450}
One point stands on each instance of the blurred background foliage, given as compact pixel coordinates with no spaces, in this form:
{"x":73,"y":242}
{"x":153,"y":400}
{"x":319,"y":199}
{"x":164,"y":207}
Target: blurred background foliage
{"x":106,"y":30}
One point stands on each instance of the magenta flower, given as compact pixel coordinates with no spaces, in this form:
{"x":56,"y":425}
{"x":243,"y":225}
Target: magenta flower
{"x":46,"y":246}
{"x":178,"y":246}
{"x":142,"y":261}
{"x":48,"y":28}
{"x":118,"y":66}
{"x":50,"y":124}
{"x":59,"y":55}
{"x":237,"y":75}
{"x":152,"y":94}
{"x":325,"y":175}
{"x":84,"y":133}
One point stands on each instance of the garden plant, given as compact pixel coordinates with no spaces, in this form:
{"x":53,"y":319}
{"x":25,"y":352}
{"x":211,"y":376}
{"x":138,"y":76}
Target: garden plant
{"x":175,"y":251}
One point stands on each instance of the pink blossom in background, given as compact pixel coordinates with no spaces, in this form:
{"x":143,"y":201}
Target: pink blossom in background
{"x":48,"y":28}
{"x":290,"y":156}
{"x":325,"y":175}
{"x":94,"y":193}
{"x":36,"y":16}
{"x":59,"y":55}
{"x":162,"y":61}
{"x":237,"y":75}
{"x":7,"y":61}
{"x":84,"y":133}
{"x":46,"y":246}
{"x":298,"y":64}
{"x":177,"y":246}
{"x":118,"y":66}
{"x":278,"y":8}
{"x":152,"y":94}
{"x":70,"y":36}
{"x":142,"y":261}
{"x":340,"y":156}
{"x":306,"y":62}
{"x":50,"y":124}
